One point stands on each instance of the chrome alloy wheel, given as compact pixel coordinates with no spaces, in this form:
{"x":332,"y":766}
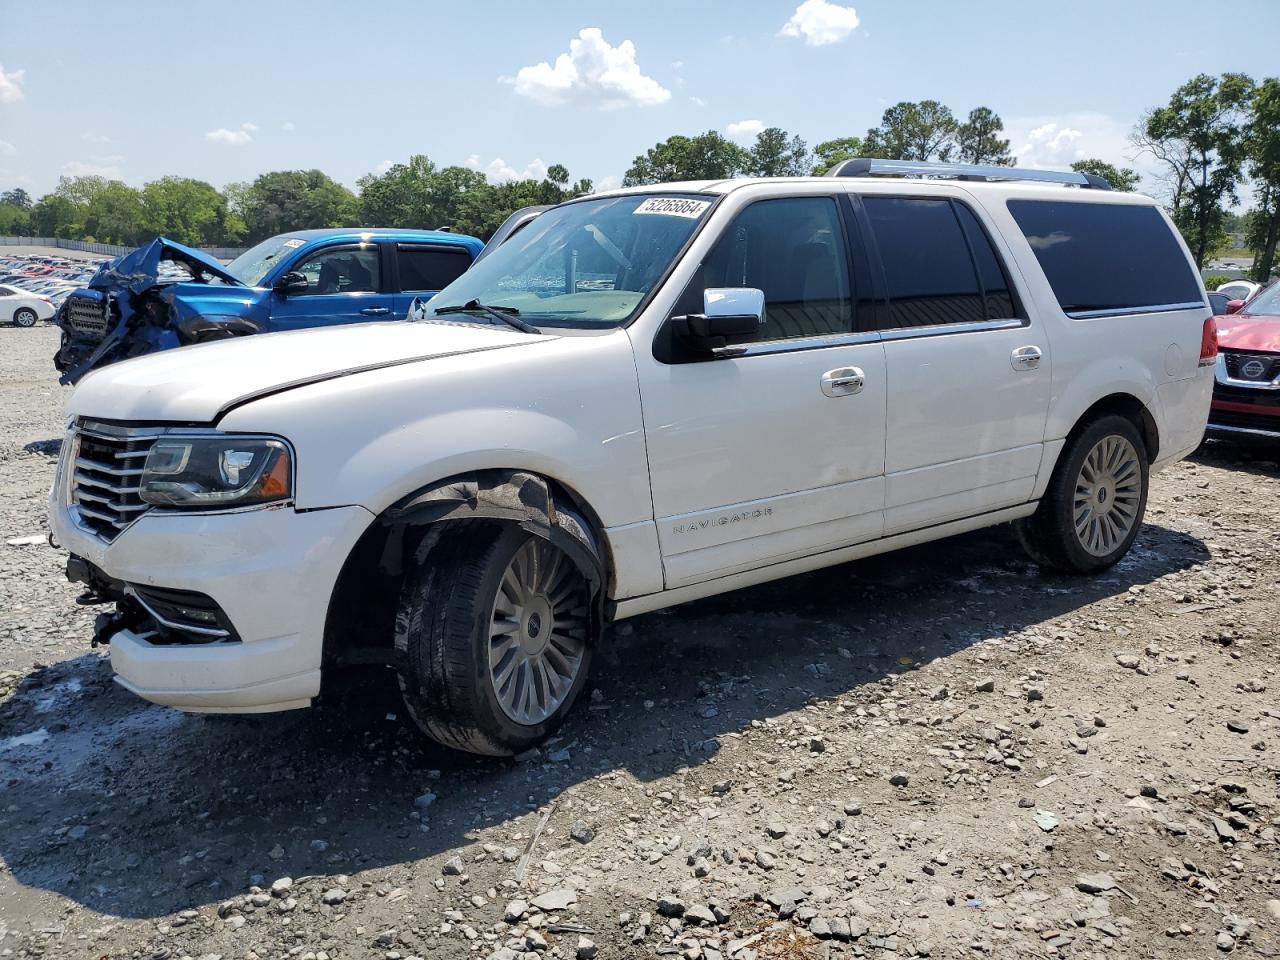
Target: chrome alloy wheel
{"x":1108,"y":493}
{"x":538,"y":632}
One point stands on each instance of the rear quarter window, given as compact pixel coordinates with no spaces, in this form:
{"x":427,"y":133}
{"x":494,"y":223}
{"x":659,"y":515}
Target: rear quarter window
{"x":1104,"y":258}
{"x":424,"y":268}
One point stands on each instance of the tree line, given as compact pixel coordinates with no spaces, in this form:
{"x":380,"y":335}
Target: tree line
{"x":1215,"y":136}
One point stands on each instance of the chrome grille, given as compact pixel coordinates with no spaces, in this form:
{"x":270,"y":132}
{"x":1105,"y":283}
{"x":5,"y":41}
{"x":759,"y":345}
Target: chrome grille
{"x":107,"y":474}
{"x":1261,"y":367}
{"x":89,"y":317}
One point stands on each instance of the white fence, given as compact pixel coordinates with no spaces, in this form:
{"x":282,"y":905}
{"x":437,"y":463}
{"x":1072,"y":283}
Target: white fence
{"x":106,"y":249}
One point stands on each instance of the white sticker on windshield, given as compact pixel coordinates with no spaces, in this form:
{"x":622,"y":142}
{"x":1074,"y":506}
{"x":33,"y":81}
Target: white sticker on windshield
{"x":674,"y":207}
{"x":290,"y":244}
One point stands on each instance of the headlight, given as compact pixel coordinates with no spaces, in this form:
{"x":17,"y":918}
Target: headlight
{"x":212,"y":472}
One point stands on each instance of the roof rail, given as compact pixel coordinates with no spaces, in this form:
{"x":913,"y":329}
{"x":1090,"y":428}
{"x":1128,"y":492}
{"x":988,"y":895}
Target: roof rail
{"x":864,"y":167}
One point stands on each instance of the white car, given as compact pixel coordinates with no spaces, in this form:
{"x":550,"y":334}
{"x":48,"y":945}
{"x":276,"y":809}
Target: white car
{"x":1239,"y":289}
{"x":645,"y":397}
{"x":23,"y":309}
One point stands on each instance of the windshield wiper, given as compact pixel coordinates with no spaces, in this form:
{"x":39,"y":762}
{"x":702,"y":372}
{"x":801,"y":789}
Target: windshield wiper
{"x":508,"y":315}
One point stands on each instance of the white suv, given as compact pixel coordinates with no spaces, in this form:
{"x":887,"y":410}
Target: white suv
{"x":644,"y":397}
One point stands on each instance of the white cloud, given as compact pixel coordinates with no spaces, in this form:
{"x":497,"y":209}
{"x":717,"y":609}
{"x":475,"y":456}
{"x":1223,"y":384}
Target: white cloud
{"x":820,"y":23}
{"x":592,"y":74}
{"x":236,"y":138}
{"x":108,"y":167}
{"x":7,"y":149}
{"x":611,"y":182}
{"x":11,"y":85}
{"x":744,"y":131}
{"x":288,"y":126}
{"x":383,"y":167}
{"x":1057,"y":141}
{"x":697,"y":101}
{"x":499,"y":171}
{"x":92,"y":137}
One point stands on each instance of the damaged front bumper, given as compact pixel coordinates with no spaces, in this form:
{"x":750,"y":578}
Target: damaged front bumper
{"x":218,"y":612}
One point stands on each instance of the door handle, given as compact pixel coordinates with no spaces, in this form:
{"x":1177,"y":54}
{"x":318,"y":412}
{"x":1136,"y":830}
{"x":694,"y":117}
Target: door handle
{"x":843,"y":382}
{"x":376,"y":311}
{"x":1026,"y":358}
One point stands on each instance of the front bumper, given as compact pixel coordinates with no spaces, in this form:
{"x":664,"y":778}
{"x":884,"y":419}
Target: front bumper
{"x":271,"y":571}
{"x":1244,"y":408}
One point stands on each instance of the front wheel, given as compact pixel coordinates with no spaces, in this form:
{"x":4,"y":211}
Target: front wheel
{"x":1092,"y":510}
{"x":24,"y":317}
{"x":495,"y":630}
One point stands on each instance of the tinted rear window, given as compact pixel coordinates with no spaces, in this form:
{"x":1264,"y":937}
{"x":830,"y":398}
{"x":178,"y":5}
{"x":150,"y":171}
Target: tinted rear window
{"x":431,"y":268}
{"x":1107,"y":256}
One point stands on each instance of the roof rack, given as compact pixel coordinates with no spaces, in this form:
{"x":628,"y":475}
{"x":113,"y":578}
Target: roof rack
{"x":864,"y":167}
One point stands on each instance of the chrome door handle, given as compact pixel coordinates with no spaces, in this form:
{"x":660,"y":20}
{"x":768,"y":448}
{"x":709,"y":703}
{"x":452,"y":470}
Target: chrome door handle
{"x":376,"y":311}
{"x":1026,"y":358}
{"x":843,"y":382}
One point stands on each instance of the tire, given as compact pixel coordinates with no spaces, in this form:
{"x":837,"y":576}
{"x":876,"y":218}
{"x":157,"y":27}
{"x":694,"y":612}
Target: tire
{"x":1092,"y":510}
{"x":457,"y":613}
{"x":24,"y":317}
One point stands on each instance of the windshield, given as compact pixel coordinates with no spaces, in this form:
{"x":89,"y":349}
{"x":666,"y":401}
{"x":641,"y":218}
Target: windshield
{"x":584,"y":264}
{"x":256,"y":262}
{"x":1267,"y":303}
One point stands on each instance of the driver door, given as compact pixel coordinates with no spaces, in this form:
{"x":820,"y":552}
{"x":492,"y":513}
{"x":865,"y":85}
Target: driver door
{"x":344,"y":285}
{"x":768,"y":456}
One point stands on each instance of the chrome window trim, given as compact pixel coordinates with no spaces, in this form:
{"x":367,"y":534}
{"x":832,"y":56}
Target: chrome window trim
{"x":1122,"y":311}
{"x":941,"y":329}
{"x":794,"y":344}
{"x":1221,"y":376}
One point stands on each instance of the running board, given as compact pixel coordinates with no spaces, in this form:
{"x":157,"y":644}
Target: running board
{"x":623,"y":609}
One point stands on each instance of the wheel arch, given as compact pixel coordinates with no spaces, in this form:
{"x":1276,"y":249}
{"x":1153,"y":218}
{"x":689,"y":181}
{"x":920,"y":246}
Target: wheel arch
{"x":1132,"y":409}
{"x":360,"y":620}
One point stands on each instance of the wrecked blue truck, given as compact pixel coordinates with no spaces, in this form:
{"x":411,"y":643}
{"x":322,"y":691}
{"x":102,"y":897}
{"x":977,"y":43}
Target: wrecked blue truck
{"x":167,"y":295}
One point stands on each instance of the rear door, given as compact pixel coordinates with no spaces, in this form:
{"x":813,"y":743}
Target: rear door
{"x":424,"y":269}
{"x":968,"y":371}
{"x":346,"y":283}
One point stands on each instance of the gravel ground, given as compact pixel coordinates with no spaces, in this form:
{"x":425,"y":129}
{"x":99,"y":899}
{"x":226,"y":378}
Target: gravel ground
{"x":936,"y":753}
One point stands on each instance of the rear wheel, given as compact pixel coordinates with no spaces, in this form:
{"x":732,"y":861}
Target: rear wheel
{"x":496,"y":632}
{"x":1093,"y":508}
{"x":24,"y":317}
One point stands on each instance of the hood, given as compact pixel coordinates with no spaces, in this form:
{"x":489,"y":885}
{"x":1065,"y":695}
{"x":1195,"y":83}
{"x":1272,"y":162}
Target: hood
{"x":1241,"y":331}
{"x":139,"y":270}
{"x":198,"y":383}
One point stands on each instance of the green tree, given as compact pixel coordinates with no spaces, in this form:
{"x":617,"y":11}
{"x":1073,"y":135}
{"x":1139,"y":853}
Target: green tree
{"x":978,"y":139}
{"x":1262,"y":147}
{"x":914,"y":131}
{"x":15,"y":221}
{"x":830,"y":152}
{"x":296,"y":200}
{"x":708,"y":156}
{"x":56,"y":216}
{"x":1203,"y":123}
{"x":189,"y":211}
{"x":113,"y":213}
{"x":17,"y":197}
{"x":1124,"y":179}
{"x":775,"y":154}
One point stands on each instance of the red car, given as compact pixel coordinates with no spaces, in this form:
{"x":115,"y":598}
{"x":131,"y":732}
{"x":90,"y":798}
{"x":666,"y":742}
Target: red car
{"x":1246,"y":391}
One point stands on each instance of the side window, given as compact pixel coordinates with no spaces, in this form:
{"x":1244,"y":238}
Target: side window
{"x":425,"y":269}
{"x":996,"y":291}
{"x":6,"y":292}
{"x":928,"y":269}
{"x":793,"y":249}
{"x":352,"y":269}
{"x":1103,"y":257}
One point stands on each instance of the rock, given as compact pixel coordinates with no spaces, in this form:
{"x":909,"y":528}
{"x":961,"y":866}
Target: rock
{"x":515,"y":910}
{"x":985,"y":685}
{"x":1095,"y":882}
{"x":820,"y":928}
{"x":424,"y":800}
{"x":852,"y":809}
{"x":765,"y":860}
{"x":559,"y":756}
{"x":560,"y":898}
{"x":1235,"y":726}
{"x":670,"y":906}
{"x":817,"y":745}
{"x":587,"y":948}
{"x":1128,"y":661}
{"x":276,"y":852}
{"x":1225,"y":941}
{"x":941,"y":693}
{"x":334,"y":897}
{"x":899,"y":779}
{"x":776,"y":829}
{"x":840,"y":929}
{"x":282,"y":887}
{"x":581,"y":832}
{"x":700,"y":914}
{"x":701,"y":867}
{"x":1224,"y":830}
{"x":1273,"y":908}
{"x":452,"y":867}
{"x":1035,"y":694}
{"x":1045,"y":820}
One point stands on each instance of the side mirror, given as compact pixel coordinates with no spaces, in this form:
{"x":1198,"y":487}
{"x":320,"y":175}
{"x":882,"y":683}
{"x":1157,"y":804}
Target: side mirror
{"x":730,"y":315}
{"x":1233,"y":306}
{"x":292,"y":283}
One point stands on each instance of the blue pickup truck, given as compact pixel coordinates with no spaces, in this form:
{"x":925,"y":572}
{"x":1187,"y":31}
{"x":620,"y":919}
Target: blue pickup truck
{"x":167,"y":295}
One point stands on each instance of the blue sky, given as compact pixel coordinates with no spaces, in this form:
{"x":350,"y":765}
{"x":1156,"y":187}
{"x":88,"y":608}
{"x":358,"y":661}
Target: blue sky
{"x":231,"y":90}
